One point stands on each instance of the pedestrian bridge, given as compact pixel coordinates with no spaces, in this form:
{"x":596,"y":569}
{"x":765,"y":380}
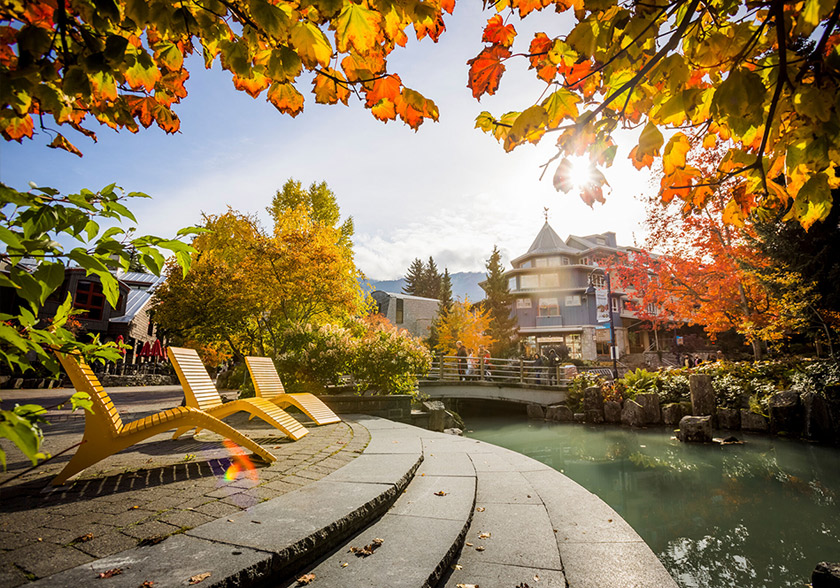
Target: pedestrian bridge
{"x":503,"y":391}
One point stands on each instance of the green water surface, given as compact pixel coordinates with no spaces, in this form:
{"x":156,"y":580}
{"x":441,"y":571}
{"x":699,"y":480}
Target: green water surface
{"x":757,"y":515}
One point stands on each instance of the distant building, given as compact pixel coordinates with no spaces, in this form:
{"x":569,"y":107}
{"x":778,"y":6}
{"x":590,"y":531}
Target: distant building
{"x":557,"y":286}
{"x":413,"y":313}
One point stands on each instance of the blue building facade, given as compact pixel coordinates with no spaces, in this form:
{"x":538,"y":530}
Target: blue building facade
{"x":561,"y":296}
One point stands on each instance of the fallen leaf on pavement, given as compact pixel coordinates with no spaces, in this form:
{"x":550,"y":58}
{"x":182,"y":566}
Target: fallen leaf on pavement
{"x":480,"y":548}
{"x":305,"y":579}
{"x":483,"y":535}
{"x":147,"y":584}
{"x":367,"y":549}
{"x":83,"y":538}
{"x":480,"y":509}
{"x":110,"y":573}
{"x":466,"y":585}
{"x":468,"y":544}
{"x":440,"y":493}
{"x":457,"y":567}
{"x":199,"y":578}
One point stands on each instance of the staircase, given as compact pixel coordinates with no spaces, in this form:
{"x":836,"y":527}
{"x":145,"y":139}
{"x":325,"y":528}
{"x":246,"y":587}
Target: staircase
{"x":416,"y":509}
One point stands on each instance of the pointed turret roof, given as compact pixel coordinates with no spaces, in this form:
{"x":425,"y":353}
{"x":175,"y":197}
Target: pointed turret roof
{"x":548,"y":241}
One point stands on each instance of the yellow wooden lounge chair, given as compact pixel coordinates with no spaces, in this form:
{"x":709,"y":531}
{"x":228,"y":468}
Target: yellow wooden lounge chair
{"x":105,"y":433}
{"x":268,"y":385}
{"x":202,"y":394}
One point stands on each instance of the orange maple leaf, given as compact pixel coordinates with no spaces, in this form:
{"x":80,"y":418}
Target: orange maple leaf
{"x":527,"y":6}
{"x":486,"y":70}
{"x":413,"y":108}
{"x":330,"y":87}
{"x":384,"y":110}
{"x":14,"y":128}
{"x":646,"y":159}
{"x":498,"y":33}
{"x":60,"y":142}
{"x":383,"y":88}
{"x":253,"y":85}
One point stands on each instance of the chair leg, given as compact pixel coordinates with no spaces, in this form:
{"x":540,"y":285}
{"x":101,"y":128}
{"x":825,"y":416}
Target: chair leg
{"x":86,"y":455}
{"x":180,"y":431}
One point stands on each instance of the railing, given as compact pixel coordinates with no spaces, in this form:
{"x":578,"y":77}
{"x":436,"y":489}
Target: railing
{"x":453,"y":368}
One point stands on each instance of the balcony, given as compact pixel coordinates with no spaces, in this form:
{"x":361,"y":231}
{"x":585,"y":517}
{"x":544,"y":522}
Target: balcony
{"x":549,"y":321}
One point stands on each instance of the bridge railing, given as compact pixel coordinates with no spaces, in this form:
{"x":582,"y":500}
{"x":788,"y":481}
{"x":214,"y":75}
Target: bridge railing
{"x":452,"y":368}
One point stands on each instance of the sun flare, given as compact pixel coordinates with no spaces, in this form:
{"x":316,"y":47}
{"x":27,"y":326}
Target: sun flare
{"x":580,"y":172}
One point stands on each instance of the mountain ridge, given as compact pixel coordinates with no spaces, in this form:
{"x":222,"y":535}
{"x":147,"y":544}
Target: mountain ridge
{"x":464,"y":284}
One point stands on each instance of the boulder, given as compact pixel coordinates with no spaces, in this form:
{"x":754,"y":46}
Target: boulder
{"x":454,"y":431}
{"x":826,"y":575}
{"x":702,"y":395}
{"x":695,"y":429}
{"x":535,"y":411}
{"x":438,"y":420}
{"x":672,"y":413}
{"x":729,"y":419}
{"x":612,"y":411}
{"x":751,"y":421}
{"x":650,"y":406}
{"x":579,"y":417}
{"x":559,"y":412}
{"x":593,"y":405}
{"x":633,"y":414}
{"x":818,"y":426}
{"x":785,"y":413}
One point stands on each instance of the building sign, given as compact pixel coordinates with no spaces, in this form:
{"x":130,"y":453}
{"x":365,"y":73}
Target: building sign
{"x":603,"y":305}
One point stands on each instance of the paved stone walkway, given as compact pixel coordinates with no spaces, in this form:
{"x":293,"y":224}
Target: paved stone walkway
{"x":147,"y":492}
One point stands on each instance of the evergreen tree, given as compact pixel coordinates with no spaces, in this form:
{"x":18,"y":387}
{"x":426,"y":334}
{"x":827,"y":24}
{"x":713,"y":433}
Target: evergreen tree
{"x":431,"y":280}
{"x":498,"y":303}
{"x":444,"y":307}
{"x":414,"y":278}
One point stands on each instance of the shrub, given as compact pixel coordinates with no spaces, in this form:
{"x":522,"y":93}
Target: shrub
{"x":674,"y":386}
{"x":388,"y":361}
{"x":640,"y":381}
{"x":582,"y":381}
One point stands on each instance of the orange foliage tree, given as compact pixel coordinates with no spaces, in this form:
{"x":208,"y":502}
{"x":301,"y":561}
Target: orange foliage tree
{"x":707,"y":271}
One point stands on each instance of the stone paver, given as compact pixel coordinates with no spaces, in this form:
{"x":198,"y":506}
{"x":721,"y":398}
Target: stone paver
{"x":147,"y":492}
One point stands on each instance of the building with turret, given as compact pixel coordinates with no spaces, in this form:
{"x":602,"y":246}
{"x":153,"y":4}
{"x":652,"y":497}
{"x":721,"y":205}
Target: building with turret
{"x":561,"y":297}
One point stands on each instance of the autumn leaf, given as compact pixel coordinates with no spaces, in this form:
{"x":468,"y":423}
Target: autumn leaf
{"x":61,"y":142}
{"x":529,"y":126}
{"x":413,"y":108}
{"x":560,"y":105}
{"x":387,"y":87}
{"x":358,"y":27}
{"x":486,"y":70}
{"x":285,"y":98}
{"x":497,"y":32}
{"x":311,"y":45}
{"x":441,"y":493}
{"x":330,"y":87}
{"x":15,"y":128}
{"x":675,"y":152}
{"x":109,"y":573}
{"x":305,"y":579}
{"x":198,"y":578}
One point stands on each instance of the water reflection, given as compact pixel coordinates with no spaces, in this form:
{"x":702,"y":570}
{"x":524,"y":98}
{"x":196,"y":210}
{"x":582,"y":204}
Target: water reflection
{"x":757,"y":515}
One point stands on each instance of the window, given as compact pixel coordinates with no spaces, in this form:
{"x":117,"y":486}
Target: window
{"x":549,"y":281}
{"x":553,"y":261}
{"x":512,"y":284}
{"x":540,"y":262}
{"x":616,"y":304}
{"x":523,"y":303}
{"x":598,"y":281}
{"x":573,"y":300}
{"x":584,"y":261}
{"x":89,"y":297}
{"x":532,"y":281}
{"x":549,"y":307}
{"x":525,"y":265}
{"x":651,"y":308}
{"x":400,"y":311}
{"x":564,"y":260}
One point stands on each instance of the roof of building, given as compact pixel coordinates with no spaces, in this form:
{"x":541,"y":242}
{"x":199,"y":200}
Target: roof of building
{"x":142,"y":287}
{"x":405,"y":296}
{"x":140,"y":278}
{"x":548,"y":241}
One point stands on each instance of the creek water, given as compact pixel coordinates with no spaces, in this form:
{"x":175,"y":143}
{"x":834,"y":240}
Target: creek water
{"x":758,"y":515}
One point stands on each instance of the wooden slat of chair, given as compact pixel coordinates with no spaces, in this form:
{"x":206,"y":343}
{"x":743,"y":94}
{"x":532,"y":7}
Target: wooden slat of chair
{"x":268,"y":385}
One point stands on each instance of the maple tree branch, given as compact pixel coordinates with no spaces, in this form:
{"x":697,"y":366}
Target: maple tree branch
{"x":667,"y":48}
{"x":62,"y":28}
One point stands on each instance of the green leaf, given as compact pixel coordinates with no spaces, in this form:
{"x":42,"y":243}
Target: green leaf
{"x":271,"y":18}
{"x":81,"y":400}
{"x":651,"y":140}
{"x":26,"y":435}
{"x":51,"y":276}
{"x":10,"y":238}
{"x":91,"y":229}
{"x":813,"y":202}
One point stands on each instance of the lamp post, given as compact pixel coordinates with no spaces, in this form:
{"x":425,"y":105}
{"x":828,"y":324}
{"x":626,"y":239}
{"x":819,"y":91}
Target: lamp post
{"x":613,"y":348}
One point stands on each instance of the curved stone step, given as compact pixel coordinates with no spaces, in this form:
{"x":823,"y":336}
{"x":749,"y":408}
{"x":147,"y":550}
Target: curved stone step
{"x":272,"y":538}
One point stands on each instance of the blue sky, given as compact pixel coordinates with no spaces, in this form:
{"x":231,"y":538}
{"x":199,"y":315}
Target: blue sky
{"x":448,"y":190}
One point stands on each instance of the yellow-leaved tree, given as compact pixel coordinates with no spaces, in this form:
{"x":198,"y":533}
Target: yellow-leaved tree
{"x":466,"y":323}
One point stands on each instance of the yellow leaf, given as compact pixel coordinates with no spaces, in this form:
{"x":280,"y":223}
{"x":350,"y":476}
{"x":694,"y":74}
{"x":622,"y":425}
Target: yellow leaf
{"x":359,"y":27}
{"x":311,"y":45}
{"x":560,"y":105}
{"x":674,"y":154}
{"x":529,"y":126}
{"x":286,"y":98}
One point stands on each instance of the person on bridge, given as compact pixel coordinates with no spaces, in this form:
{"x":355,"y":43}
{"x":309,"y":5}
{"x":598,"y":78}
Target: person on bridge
{"x":462,"y":360}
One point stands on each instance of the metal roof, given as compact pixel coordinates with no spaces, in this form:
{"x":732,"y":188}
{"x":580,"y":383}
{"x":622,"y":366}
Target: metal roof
{"x":134,"y":303}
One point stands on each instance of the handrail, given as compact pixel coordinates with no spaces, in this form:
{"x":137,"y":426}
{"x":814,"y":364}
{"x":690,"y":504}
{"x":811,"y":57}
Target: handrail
{"x":454,"y":368}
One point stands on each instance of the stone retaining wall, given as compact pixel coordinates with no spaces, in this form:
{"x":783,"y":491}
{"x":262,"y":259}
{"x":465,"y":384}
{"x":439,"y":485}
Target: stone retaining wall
{"x":395,"y":407}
